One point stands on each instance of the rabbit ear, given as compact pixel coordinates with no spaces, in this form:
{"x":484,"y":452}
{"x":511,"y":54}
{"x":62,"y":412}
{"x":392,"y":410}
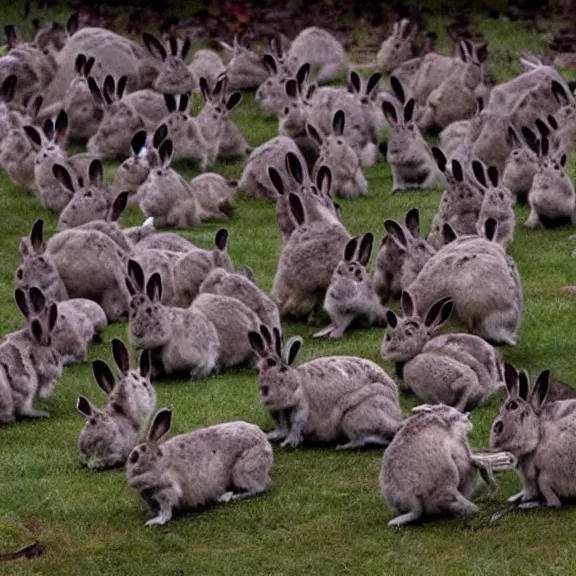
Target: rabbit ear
{"x":365,"y":249}
{"x":490,"y":229}
{"x":396,"y":233}
{"x":52,"y":316}
{"x":439,"y":313}
{"x":266,"y":335}
{"x":397,"y":89}
{"x":37,"y":236}
{"x":154,"y":46}
{"x":79,"y":63}
{"x":88,"y":66}
{"x":95,"y":173}
{"x":412,"y":222}
{"x":448,"y":233}
{"x":559,"y":92}
{"x":22,"y":302}
{"x":96,"y":92}
{"x":145,"y":365}
{"x":37,"y":299}
{"x":170,"y":102}
{"x":391,"y":319}
{"x":138,"y":141}
{"x":136,"y":274}
{"x":109,"y":89}
{"x":36,"y":330}
{"x":165,"y":151}
{"x":542,"y":128}
{"x":493,"y":175}
{"x":84,"y":407}
{"x":390,"y":113}
{"x":291,"y":88}
{"x":409,"y":110}
{"x":8,"y":88}
{"x":540,"y":392}
{"x":269,"y":63}
{"x":154,"y":287}
{"x":13,"y":36}
{"x":354,"y":83}
{"x":103,"y":375}
{"x":34,"y":135}
{"x":350,"y":249}
{"x":183,"y":102}
{"x":277,"y":341}
{"x":173,"y":43}
{"x":294,"y":167}
{"x":246,"y":271}
{"x":302,"y":75}
{"x":457,"y":171}
{"x":314,"y":133}
{"x":372,"y":85}
{"x":407,"y":304}
{"x":63,"y":176}
{"x":523,"y":385}
{"x":72,"y":24}
{"x":205,"y":89}
{"x":531,"y":139}
{"x":233,"y":100}
{"x":311,"y":91}
{"x":276,"y":180}
{"x":478,"y":169}
{"x":292,"y":348}
{"x":35,"y":105}
{"x":257,"y":343}
{"x":159,"y":135}
{"x":563,"y":160}
{"x":552,"y":121}
{"x":221,"y":240}
{"x":440,"y":158}
{"x":297,"y":209}
{"x":544,"y":146}
{"x":118,"y":207}
{"x":324,"y":179}
{"x":160,"y":425}
{"x":61,"y":127}
{"x":48,"y":129}
{"x":511,"y":379}
{"x":338,"y":122}
{"x":122,"y":83}
{"x":121,"y":355}
{"x":185,"y":48}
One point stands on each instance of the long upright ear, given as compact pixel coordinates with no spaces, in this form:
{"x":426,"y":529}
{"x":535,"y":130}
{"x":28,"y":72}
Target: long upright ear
{"x":439,"y":157}
{"x":407,"y":304}
{"x":13,"y":36}
{"x":48,"y":129}
{"x":302,"y":75}
{"x":409,"y":110}
{"x":314,"y":133}
{"x":391,"y":319}
{"x":8,"y":88}
{"x":270,"y":64}
{"x":22,"y":302}
{"x":354,"y":83}
{"x":276,"y":180}
{"x":396,"y":233}
{"x":294,"y":167}
{"x":136,"y":274}
{"x":160,"y":135}
{"x":448,"y":233}
{"x":292,"y":348}
{"x":221,"y":240}
{"x":60,"y":127}
{"x":457,"y":171}
{"x":493,"y":175}
{"x":372,"y":85}
{"x":291,"y":88}
{"x":173,"y":44}
{"x":324,"y":179}
{"x":154,"y":287}
{"x":52,"y":316}
{"x":79,"y":63}
{"x":72,"y":24}
{"x":121,"y":355}
{"x":559,"y":92}
{"x":145,"y":365}
{"x":37,"y":299}
{"x":109,"y":91}
{"x":37,"y":236}
{"x":277,"y":340}
{"x":165,"y":152}
{"x":138,"y":141}
{"x":257,"y":343}
{"x":439,"y":313}
{"x":121,"y":87}
{"x":103,"y":376}
{"x":390,"y":113}
{"x":366,"y":243}
{"x":542,"y":127}
{"x":154,"y":46}
{"x":89,"y":64}
{"x":531,"y":139}
{"x":160,"y":425}
{"x":97,"y":95}
{"x":478,"y":169}
{"x":233,"y":100}
{"x":297,"y":209}
{"x":412,"y":222}
{"x":63,"y":176}
{"x":84,"y":407}
{"x":338,"y":123}
{"x":170,"y":102}
{"x":33,"y":136}
{"x":511,"y":379}
{"x":350,"y":249}
{"x":540,"y":392}
{"x":95,"y":173}
{"x":397,"y":89}
{"x":523,"y":384}
{"x":490,"y":229}
{"x":118,"y":206}
{"x":183,"y":102}
{"x":186,"y":45}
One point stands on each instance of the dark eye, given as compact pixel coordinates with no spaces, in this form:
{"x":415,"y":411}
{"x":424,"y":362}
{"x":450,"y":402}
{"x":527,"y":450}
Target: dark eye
{"x":41,"y":260}
{"x":388,"y":337}
{"x":513,"y":405}
{"x":350,"y":268}
{"x":358,"y":274}
{"x":19,"y":274}
{"x":134,"y":457}
{"x":397,"y":45}
{"x":148,"y":310}
{"x":339,"y":142}
{"x":159,"y":172}
{"x":286,"y":110}
{"x":498,"y":427}
{"x":264,"y":390}
{"x":271,"y":362}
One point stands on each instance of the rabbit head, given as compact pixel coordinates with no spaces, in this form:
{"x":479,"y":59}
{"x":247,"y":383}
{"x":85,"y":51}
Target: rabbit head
{"x":50,"y":143}
{"x":245,"y":69}
{"x":150,"y":323}
{"x":296,"y":110}
{"x":134,"y":170}
{"x":516,"y":428}
{"x":406,"y":336}
{"x":278,"y":380}
{"x":36,"y":267}
{"x":397,"y":47}
{"x":173,"y":75}
{"x":88,"y":202}
{"x":119,"y":122}
{"x":521,"y":164}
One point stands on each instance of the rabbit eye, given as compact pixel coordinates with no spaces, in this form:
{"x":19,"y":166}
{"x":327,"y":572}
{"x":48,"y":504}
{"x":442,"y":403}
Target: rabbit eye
{"x":134,"y":457}
{"x":159,"y":453}
{"x":498,"y":427}
{"x":388,"y":337}
{"x":286,"y":110}
{"x":513,"y":405}
{"x":271,"y":362}
{"x":282,"y":369}
{"x":397,"y":45}
{"x":339,"y":272}
{"x":19,"y":274}
{"x":148,"y":310}
{"x":339,"y":142}
{"x":159,"y":172}
{"x":41,"y":260}
{"x":358,"y":274}
{"x":264,"y":390}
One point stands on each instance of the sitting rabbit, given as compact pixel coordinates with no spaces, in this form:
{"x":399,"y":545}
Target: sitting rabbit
{"x":221,"y":463}
{"x":325,"y":399}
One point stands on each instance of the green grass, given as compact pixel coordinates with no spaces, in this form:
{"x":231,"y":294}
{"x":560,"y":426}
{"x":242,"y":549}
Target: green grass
{"x":324,"y":514}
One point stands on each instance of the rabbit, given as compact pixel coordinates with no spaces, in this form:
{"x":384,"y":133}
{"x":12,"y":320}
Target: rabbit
{"x":185,"y":132}
{"x":447,"y":372}
{"x":498,"y":203}
{"x":169,"y":241}
{"x":402,"y":254}
{"x":29,"y":364}
{"x":326,"y":399}
{"x":206,"y":64}
{"x":397,"y":47}
{"x":340,"y":158}
{"x":233,"y":320}
{"x":307,"y":262}
{"x":75,"y":264}
{"x":190,"y":269}
{"x":133,"y":394}
{"x":241,"y":285}
{"x":521,"y":165}
{"x":214,"y":114}
{"x":183,"y":339}
{"x":429,"y":469}
{"x":350,"y":295}
{"x":133,"y":171}
{"x":222,"y":463}
{"x":214,"y":193}
{"x":540,"y":433}
{"x":255,"y":180}
{"x":319,"y":49}
{"x":173,"y":75}
{"x":245,"y":68}
{"x":551,"y":198}
{"x":409,"y":157}
{"x":458,"y":271}
{"x":107,"y":437}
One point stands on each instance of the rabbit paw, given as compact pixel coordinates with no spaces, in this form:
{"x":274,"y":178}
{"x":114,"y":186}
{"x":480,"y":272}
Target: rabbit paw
{"x":291,"y":442}
{"x":226,"y":497}
{"x":158,"y":521}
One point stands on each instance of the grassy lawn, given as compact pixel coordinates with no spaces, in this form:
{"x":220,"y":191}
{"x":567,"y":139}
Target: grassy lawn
{"x":324,"y":514}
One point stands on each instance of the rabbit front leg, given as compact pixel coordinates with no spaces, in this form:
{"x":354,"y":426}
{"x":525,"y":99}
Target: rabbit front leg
{"x":166,"y":500}
{"x":533,"y":221}
{"x":281,"y":417}
{"x":298,"y":423}
{"x":545,"y":483}
{"x":527,"y":473}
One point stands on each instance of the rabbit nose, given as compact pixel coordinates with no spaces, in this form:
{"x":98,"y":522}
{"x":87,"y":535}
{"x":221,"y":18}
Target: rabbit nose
{"x":498,"y":427}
